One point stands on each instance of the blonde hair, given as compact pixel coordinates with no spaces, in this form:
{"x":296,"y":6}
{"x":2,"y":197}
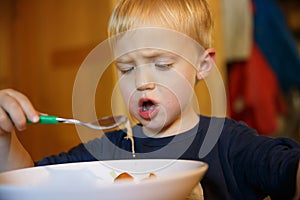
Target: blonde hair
{"x":190,"y":17}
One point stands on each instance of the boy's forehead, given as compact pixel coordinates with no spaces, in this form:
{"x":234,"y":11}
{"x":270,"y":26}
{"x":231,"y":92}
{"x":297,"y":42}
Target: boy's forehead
{"x":155,"y":40}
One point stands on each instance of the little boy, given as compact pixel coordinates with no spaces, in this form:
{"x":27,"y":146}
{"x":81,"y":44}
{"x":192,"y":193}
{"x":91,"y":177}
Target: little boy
{"x":162,"y":48}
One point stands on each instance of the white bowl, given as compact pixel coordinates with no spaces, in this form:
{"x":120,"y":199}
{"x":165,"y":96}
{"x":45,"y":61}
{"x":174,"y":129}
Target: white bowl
{"x":175,"y":179}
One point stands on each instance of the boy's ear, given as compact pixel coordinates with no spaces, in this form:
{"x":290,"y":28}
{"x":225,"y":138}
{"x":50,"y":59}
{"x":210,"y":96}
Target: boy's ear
{"x":206,"y":63}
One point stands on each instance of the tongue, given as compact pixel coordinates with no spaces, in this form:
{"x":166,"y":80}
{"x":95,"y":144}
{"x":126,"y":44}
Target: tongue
{"x":148,"y":110}
{"x":148,"y":106}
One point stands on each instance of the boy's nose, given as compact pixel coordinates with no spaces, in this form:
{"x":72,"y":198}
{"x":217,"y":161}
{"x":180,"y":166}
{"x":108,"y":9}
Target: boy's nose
{"x":146,"y":86}
{"x":143,"y":79}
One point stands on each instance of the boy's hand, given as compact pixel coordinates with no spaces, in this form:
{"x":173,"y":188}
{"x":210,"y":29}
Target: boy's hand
{"x":15,"y":107}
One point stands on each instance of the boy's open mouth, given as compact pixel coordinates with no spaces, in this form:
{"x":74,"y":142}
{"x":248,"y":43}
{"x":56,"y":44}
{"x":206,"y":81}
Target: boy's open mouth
{"x":147,"y":108}
{"x":148,"y":105}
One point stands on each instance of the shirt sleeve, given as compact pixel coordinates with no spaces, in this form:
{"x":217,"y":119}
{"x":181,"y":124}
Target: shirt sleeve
{"x":266,"y":164}
{"x":111,"y":146}
{"x":76,"y":154}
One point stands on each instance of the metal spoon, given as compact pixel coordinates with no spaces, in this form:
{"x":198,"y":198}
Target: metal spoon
{"x":104,"y":123}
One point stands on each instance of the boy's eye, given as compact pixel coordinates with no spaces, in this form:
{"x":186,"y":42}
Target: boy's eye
{"x":163,"y":66}
{"x":125,"y":68}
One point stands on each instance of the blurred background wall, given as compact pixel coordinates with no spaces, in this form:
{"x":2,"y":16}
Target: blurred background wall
{"x":43,"y":44}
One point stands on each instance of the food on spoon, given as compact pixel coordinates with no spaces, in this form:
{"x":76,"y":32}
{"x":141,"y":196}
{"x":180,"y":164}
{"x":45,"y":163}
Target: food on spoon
{"x":130,"y":137}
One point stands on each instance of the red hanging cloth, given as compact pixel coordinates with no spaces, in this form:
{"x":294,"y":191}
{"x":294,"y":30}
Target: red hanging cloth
{"x":255,"y":96}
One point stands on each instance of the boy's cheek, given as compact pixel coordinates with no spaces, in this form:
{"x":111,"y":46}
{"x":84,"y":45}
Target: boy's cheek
{"x":127,"y":94}
{"x":125,"y":83}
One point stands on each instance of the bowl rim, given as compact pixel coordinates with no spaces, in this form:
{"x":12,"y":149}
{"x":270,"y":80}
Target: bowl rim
{"x":192,"y":172}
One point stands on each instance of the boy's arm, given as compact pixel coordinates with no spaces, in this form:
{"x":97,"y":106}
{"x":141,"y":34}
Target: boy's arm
{"x":12,"y":153}
{"x":14,"y":109}
{"x":297,"y":194}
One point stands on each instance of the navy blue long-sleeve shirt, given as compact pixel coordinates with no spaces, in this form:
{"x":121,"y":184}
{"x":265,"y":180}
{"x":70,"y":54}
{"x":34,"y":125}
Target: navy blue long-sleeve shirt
{"x":242,"y":165}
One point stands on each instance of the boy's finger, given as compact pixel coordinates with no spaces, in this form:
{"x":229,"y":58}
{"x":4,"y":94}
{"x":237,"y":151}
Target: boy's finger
{"x":25,"y":104}
{"x":6,"y":124}
{"x":12,"y":113}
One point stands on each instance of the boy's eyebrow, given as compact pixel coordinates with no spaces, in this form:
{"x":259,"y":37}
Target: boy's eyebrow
{"x":149,"y":54}
{"x":123,"y":59}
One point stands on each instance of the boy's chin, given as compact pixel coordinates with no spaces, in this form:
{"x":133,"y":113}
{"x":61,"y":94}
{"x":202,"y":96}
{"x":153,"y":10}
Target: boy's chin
{"x":151,"y":124}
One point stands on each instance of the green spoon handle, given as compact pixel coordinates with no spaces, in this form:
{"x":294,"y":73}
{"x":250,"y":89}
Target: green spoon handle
{"x":45,"y":119}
